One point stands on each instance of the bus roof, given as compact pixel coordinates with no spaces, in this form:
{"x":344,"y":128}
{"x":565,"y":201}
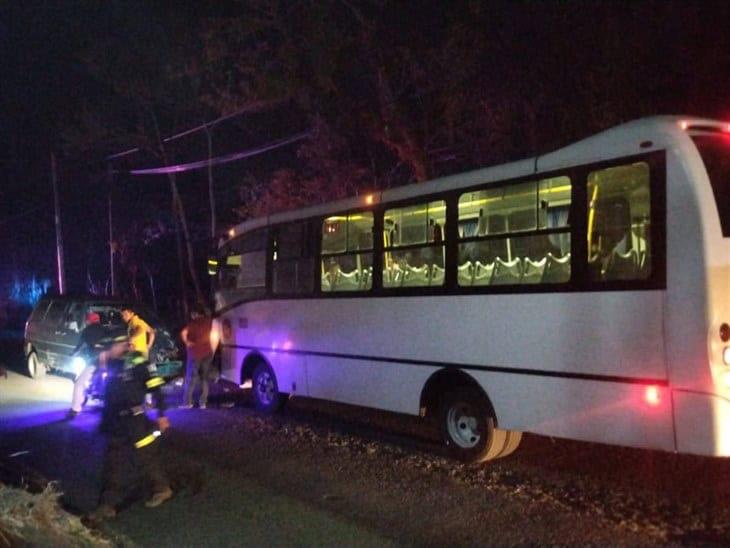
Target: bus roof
{"x":642,"y":135}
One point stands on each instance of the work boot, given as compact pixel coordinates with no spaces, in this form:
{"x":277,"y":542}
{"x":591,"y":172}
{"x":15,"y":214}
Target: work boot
{"x":185,"y":406}
{"x":102,"y":513}
{"x":159,"y":497}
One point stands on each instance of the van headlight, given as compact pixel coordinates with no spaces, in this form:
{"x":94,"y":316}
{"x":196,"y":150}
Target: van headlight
{"x":78,"y":364}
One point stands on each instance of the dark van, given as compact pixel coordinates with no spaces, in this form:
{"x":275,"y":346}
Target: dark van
{"x":54,"y":328}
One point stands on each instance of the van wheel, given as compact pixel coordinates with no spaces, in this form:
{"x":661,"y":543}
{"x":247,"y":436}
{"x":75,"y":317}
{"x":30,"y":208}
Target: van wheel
{"x":468,"y":426}
{"x":36,"y":369}
{"x":265,"y":389}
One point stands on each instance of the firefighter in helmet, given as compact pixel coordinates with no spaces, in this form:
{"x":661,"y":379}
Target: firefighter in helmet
{"x":130,"y":432}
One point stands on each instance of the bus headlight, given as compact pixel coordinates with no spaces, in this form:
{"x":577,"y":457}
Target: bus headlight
{"x":726,"y":355}
{"x":78,"y":364}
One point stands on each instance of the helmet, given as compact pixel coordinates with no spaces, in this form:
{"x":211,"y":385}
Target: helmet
{"x":92,"y":317}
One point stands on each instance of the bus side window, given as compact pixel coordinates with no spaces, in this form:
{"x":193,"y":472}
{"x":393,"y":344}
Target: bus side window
{"x":619,"y":235}
{"x":242,"y":263}
{"x":347,"y":252}
{"x":515,"y":234}
{"x":293,"y":260}
{"x":414,"y":254}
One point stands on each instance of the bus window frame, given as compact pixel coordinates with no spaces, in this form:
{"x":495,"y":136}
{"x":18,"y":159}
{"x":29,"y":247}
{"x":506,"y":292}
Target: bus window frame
{"x":657,"y":279}
{"x":580,"y":279}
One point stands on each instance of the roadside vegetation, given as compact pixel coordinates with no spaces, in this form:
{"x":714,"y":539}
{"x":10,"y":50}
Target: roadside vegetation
{"x":28,"y":519}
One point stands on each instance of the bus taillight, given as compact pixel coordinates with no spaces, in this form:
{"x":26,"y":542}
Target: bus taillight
{"x":651,"y":395}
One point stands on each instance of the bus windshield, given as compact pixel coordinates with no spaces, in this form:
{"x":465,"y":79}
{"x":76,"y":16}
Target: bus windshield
{"x":715,"y":153}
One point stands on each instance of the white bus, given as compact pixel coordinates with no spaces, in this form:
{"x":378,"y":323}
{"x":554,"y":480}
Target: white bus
{"x":582,"y":294}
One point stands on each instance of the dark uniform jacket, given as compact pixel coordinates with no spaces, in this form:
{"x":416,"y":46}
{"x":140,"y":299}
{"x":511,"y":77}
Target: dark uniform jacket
{"x":88,"y":338}
{"x":128,"y":380}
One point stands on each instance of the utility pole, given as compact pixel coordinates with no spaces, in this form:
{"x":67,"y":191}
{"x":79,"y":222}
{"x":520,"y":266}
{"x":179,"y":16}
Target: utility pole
{"x":59,"y":235}
{"x":211,"y":191}
{"x":110,"y":181}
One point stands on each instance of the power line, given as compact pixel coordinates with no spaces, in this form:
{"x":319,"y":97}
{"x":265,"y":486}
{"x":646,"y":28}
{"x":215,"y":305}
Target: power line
{"x":180,"y":168}
{"x":185,"y":132}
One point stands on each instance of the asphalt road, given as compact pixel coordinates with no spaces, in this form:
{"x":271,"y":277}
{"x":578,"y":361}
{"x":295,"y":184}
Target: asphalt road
{"x":322,"y":474}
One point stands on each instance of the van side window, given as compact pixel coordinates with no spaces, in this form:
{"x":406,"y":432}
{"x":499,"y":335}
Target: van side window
{"x":515,"y":234}
{"x":619,"y":229}
{"x":74,"y":320}
{"x":347,"y":252}
{"x":39,"y":311}
{"x":55,"y":312}
{"x":414,"y":249}
{"x":293,"y":259}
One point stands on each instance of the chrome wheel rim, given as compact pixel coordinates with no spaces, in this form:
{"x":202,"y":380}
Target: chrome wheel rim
{"x":463,"y":426}
{"x":265,"y":388}
{"x":33,"y":365}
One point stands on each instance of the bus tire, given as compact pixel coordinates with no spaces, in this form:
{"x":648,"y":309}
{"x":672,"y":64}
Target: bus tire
{"x":265,"y":389}
{"x":36,"y":369}
{"x":468,"y":427}
{"x":512,"y":442}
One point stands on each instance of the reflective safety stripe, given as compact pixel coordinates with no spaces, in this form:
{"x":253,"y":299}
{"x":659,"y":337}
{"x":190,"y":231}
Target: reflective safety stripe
{"x":145,"y":441}
{"x":154,"y":382}
{"x":138,"y":360}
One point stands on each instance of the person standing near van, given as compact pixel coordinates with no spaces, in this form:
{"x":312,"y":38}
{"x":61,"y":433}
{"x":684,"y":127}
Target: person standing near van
{"x":141,"y":335}
{"x":200,"y":342}
{"x":91,"y":334}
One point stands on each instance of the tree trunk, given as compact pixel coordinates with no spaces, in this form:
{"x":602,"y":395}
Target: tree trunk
{"x":151,"y":279}
{"x":181,"y":268}
{"x":186,"y":236}
{"x":183,"y":223}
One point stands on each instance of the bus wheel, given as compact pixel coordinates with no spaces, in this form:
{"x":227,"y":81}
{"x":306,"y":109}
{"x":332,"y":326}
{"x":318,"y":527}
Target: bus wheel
{"x":36,"y":369}
{"x":265,"y":389}
{"x":468,"y":427}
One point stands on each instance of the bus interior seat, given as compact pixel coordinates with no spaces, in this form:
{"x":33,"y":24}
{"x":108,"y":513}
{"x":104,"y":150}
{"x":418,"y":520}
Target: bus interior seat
{"x":622,"y":266}
{"x":366,"y":278}
{"x":437,"y":275}
{"x":465,"y":274}
{"x":347,"y":281}
{"x":392,"y":277}
{"x":557,"y":269}
{"x":533,"y":270}
{"x":507,"y":272}
{"x":326,"y":286}
{"x":416,"y":276}
{"x":483,"y":273}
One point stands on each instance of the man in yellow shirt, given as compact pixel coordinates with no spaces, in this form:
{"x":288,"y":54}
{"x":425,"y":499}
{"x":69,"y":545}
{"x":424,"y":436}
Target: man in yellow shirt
{"x":141,"y":335}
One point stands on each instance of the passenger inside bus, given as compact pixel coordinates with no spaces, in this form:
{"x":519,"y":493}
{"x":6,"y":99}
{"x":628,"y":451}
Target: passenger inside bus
{"x":618,"y":223}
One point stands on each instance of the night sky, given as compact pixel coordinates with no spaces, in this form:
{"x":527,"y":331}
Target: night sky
{"x":660,"y":57}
